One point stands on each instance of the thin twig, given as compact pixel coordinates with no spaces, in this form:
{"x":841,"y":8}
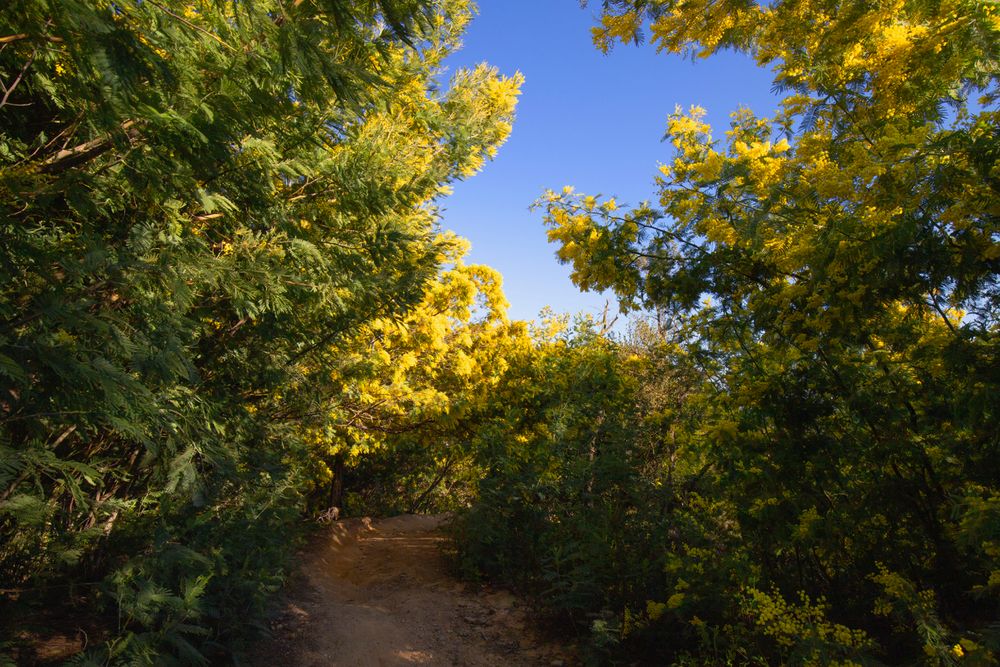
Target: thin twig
{"x":14,"y":38}
{"x":191,"y":25}
{"x":20,"y":76}
{"x":65,"y":434}
{"x":944,"y":315}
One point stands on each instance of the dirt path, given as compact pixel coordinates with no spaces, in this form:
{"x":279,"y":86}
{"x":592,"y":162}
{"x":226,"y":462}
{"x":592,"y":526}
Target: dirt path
{"x":379,"y":593}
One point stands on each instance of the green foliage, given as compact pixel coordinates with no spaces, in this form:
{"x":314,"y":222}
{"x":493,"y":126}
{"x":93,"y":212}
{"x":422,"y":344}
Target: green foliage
{"x":584,"y":493}
{"x":223,"y":291}
{"x":830,"y":275}
{"x":201,"y":201}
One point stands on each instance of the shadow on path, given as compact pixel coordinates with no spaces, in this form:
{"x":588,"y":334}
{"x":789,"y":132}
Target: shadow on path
{"x":379,"y":593}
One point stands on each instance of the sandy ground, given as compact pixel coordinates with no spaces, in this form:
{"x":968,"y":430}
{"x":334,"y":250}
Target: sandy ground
{"x":379,"y":593}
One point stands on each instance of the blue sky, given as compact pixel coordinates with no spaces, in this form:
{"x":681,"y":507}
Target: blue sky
{"x":584,"y":119}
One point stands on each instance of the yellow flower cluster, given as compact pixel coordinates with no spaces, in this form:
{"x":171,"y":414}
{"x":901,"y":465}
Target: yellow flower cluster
{"x":616,"y":27}
{"x":792,"y":624}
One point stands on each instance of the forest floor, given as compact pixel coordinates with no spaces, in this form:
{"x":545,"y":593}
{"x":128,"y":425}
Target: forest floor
{"x":381,"y":593}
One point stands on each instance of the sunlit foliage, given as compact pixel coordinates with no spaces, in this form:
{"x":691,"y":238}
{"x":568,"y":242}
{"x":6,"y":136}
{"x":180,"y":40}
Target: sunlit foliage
{"x":415,"y":386}
{"x":836,"y":264}
{"x":202,"y":204}
{"x":226,"y":304}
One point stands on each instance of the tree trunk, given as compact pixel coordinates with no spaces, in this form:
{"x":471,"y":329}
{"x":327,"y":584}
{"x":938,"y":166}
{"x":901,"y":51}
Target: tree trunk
{"x":337,"y":482}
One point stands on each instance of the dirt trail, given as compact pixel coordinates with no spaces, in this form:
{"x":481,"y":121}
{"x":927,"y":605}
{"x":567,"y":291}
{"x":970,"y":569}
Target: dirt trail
{"x":375,"y":594}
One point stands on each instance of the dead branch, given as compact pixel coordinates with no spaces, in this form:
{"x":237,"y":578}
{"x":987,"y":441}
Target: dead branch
{"x":81,"y":153}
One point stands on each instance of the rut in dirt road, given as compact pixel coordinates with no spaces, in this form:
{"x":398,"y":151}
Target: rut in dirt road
{"x":379,"y":593}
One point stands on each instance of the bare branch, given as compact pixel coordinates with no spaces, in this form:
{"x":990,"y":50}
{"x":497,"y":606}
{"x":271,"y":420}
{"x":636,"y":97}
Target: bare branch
{"x":70,"y":157}
{"x":20,"y":77}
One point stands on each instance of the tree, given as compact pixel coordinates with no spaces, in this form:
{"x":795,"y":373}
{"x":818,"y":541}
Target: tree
{"x":837,"y":264}
{"x":412,"y":390}
{"x":200,"y":201}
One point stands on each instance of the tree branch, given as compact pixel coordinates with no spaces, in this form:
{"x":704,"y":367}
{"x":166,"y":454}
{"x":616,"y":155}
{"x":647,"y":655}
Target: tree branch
{"x":191,"y":25}
{"x":20,"y":77}
{"x":81,"y":153}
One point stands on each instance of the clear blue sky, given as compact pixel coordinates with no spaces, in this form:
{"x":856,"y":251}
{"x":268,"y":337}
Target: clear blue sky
{"x":584,"y":119}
